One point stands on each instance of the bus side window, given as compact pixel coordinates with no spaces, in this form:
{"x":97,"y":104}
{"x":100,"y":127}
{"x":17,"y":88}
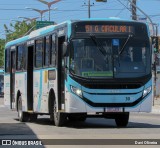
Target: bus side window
{"x":46,"y":51}
{"x":53,"y":51}
{"x":39,"y":53}
{"x":21,"y":57}
{"x":7,"y":60}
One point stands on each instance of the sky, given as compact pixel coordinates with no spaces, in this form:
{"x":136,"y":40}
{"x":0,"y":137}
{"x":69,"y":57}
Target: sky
{"x":10,"y":10}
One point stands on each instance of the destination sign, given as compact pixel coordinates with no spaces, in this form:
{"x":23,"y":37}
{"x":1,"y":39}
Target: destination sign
{"x":105,"y":29}
{"x":109,"y":28}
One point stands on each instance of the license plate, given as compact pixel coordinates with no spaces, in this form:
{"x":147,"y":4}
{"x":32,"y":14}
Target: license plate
{"x":113,"y":109}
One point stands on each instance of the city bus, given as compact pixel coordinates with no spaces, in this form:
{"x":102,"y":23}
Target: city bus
{"x":80,"y":69}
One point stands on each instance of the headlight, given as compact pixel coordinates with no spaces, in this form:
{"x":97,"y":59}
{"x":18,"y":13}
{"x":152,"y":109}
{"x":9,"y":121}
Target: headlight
{"x":76,"y":91}
{"x":147,"y":91}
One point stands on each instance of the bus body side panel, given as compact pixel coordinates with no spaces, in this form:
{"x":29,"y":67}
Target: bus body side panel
{"x":37,"y":90}
{"x":73,"y":104}
{"x":7,"y":90}
{"x":45,"y":92}
{"x":21,"y":85}
{"x":52,"y":82}
{"x":41,"y":88}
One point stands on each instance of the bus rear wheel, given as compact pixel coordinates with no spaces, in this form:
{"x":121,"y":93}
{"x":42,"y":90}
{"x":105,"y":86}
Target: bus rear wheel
{"x":59,"y":118}
{"x":122,"y":120}
{"x":23,"y":116}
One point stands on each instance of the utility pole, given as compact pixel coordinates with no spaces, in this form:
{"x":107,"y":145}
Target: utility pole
{"x":89,"y":8}
{"x":147,"y":16}
{"x":134,"y":10}
{"x":49,"y":4}
{"x":41,"y":12}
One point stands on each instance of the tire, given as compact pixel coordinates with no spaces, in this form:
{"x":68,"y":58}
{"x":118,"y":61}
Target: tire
{"x":122,"y":120}
{"x":23,"y":116}
{"x":59,"y":118}
{"x":33,"y":117}
{"x":51,"y":112}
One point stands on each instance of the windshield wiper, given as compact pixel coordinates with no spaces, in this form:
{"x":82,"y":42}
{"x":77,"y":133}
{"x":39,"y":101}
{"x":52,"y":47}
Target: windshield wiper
{"x":124,"y":45}
{"x":98,"y":44}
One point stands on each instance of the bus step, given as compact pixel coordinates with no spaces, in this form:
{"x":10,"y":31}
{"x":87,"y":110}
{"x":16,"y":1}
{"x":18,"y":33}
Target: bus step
{"x":30,"y":111}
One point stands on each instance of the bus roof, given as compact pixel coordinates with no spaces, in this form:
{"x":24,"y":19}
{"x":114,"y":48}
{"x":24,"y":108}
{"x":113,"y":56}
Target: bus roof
{"x":35,"y":33}
{"x":45,"y":30}
{"x":19,"y":40}
{"x":41,"y":31}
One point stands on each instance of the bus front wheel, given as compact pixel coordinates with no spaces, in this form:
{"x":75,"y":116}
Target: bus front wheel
{"x":59,"y":118}
{"x":122,"y":120}
{"x":23,"y":116}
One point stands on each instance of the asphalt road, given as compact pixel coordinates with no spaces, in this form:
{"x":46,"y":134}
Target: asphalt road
{"x":141,"y":126}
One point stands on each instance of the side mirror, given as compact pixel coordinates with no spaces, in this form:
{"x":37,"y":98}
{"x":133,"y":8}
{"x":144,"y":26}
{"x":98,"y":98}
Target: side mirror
{"x":64,"y":50}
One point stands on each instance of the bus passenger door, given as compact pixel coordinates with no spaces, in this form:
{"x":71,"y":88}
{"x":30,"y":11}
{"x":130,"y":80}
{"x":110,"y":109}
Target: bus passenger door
{"x":30,"y":78}
{"x":12,"y":88}
{"x":61,"y":73}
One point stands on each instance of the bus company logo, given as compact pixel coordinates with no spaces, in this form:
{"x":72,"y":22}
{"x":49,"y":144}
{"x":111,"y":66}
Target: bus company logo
{"x":6,"y":142}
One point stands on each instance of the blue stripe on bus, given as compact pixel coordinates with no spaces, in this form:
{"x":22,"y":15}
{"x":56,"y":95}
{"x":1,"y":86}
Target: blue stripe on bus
{"x":17,"y":41}
{"x":47,"y":30}
{"x":40,"y":92}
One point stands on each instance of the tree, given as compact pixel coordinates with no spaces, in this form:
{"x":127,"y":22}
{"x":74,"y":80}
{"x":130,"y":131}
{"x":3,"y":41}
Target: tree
{"x":19,"y":29}
{"x":2,"y":44}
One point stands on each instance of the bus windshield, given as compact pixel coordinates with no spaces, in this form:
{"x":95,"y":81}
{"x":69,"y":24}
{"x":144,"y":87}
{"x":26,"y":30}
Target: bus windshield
{"x":110,"y":57}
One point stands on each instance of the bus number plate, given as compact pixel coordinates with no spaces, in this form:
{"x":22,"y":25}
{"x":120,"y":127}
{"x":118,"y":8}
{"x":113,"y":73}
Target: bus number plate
{"x":113,"y":109}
